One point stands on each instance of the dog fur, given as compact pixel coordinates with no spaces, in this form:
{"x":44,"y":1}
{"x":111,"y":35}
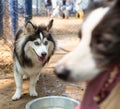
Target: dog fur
{"x":99,"y":47}
{"x":33,"y":47}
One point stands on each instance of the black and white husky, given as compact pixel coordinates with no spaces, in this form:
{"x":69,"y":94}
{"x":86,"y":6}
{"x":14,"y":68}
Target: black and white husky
{"x":98,"y":51}
{"x":33,"y":47}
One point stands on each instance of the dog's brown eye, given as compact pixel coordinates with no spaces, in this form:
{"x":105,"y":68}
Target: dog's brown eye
{"x":46,"y":42}
{"x":106,"y":43}
{"x":36,"y":43}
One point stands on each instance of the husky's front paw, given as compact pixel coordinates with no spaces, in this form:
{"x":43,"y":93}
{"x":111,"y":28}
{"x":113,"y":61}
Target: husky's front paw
{"x":33,"y":93}
{"x":16,"y":96}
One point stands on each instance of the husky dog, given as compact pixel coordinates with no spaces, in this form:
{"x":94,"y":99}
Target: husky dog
{"x":97,"y":54}
{"x":33,"y":47}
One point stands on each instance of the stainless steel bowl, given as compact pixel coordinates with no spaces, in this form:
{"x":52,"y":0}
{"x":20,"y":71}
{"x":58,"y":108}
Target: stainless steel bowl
{"x":52,"y":102}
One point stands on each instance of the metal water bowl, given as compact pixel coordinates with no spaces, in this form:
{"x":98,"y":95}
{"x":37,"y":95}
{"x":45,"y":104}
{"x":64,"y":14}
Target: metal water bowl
{"x":52,"y":102}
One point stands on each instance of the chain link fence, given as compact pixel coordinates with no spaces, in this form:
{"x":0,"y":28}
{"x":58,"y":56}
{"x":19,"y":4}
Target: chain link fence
{"x":12,"y":16}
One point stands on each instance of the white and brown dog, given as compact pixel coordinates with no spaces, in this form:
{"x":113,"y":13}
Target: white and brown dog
{"x":96,"y":56}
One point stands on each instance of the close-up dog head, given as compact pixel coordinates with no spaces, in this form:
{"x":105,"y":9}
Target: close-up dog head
{"x":35,"y":41}
{"x":99,"y":47}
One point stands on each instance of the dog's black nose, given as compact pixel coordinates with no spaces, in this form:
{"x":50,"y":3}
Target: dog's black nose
{"x":62,"y":72}
{"x":43,"y":54}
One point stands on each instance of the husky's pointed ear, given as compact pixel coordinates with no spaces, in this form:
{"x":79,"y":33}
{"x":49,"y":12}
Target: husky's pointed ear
{"x":49,"y":26}
{"x":29,"y":28}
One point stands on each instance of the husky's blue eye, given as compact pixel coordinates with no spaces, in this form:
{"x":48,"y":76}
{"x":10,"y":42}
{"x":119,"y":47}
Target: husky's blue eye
{"x":46,"y":42}
{"x":36,"y":43}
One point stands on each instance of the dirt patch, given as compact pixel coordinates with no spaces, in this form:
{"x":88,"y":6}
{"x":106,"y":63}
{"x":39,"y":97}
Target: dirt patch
{"x":48,"y":84}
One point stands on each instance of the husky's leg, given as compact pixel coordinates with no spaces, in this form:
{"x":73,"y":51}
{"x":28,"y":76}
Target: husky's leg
{"x":18,"y":81}
{"x":32,"y":89}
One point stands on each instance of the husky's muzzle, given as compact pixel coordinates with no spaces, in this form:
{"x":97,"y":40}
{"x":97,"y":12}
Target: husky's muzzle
{"x":63,"y":73}
{"x":42,"y":57}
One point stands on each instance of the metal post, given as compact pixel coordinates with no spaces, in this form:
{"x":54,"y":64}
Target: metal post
{"x":28,"y":10}
{"x":1,"y":18}
{"x":37,"y":7}
{"x":14,"y":15}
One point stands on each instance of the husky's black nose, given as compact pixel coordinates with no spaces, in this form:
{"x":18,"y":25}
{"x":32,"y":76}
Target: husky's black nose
{"x":43,"y":54}
{"x":62,"y":72}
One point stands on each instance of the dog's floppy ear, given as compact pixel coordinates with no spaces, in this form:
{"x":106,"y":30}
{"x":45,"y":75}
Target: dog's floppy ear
{"x":49,"y":26}
{"x":29,"y":28}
